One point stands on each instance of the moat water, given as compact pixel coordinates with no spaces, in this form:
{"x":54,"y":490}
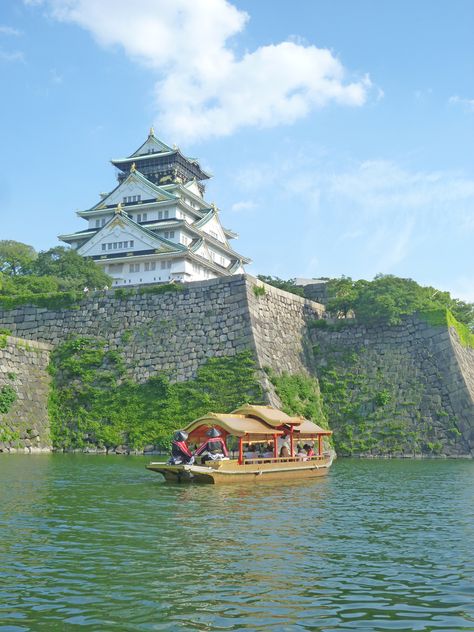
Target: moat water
{"x":98,"y":543}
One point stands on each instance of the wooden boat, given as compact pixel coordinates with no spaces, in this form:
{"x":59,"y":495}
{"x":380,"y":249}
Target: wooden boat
{"x":251,"y":425}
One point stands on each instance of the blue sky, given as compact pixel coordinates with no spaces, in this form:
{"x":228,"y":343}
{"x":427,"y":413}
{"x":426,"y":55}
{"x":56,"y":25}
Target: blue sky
{"x":339,"y":133}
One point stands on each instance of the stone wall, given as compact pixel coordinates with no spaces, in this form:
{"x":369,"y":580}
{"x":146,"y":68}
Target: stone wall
{"x":415,"y":380}
{"x":23,"y":368}
{"x":177,"y":331}
{"x":409,"y":388}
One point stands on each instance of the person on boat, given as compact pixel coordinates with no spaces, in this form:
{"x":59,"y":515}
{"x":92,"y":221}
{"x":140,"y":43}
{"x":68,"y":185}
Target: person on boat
{"x":180,"y":452}
{"x":283,"y":445}
{"x":309,"y":449}
{"x":214,"y":448}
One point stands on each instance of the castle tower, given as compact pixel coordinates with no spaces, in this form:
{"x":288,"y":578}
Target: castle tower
{"x":156,"y":226}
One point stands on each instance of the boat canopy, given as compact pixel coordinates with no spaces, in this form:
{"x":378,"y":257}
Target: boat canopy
{"x":271,"y":416}
{"x":277,"y":418}
{"x":255,"y":423}
{"x":236,"y":425}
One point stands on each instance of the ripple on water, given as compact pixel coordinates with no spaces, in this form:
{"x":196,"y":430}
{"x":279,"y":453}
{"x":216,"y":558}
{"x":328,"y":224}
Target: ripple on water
{"x":98,"y":543}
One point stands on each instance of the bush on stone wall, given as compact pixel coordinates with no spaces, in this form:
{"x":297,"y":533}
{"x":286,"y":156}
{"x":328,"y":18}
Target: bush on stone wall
{"x":93,"y":402}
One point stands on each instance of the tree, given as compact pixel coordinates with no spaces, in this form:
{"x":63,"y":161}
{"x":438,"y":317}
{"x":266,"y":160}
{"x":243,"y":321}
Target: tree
{"x":16,"y":258}
{"x":72,"y":271}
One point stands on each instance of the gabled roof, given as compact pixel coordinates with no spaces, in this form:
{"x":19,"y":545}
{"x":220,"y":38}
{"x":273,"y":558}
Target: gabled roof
{"x":151,"y":141}
{"x":136,"y":176}
{"x":122,"y":217}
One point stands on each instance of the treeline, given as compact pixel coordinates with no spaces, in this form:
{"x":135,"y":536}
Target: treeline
{"x":25,"y":272}
{"x":386,"y":299}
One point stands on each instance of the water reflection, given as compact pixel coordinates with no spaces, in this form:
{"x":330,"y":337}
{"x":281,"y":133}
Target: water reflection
{"x":100,"y":543}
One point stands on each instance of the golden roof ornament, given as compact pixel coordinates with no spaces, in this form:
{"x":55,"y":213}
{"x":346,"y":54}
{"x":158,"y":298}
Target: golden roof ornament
{"x":133,"y":168}
{"x":119,"y":209}
{"x":152,"y":131}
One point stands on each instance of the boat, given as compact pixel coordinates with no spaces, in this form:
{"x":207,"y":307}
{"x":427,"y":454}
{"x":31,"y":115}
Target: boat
{"x":247,"y":428}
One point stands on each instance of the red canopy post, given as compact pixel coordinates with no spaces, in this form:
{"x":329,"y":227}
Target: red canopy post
{"x":320,"y":445}
{"x":292,"y":449}
{"x":241,"y":451}
{"x":275,"y":445}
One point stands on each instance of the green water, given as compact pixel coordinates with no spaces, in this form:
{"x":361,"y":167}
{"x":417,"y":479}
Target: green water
{"x":98,"y":543}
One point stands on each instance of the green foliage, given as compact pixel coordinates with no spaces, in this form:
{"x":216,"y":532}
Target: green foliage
{"x":161,"y":289}
{"x":382,"y":398}
{"x":3,"y":341}
{"x":445,"y":318}
{"x":299,"y":395}
{"x":318,"y":323}
{"x":15,"y":257}
{"x":8,"y":397}
{"x":125,"y":293}
{"x":93,"y":402}
{"x":53,"y":279}
{"x":259,"y":290}
{"x":288,"y":286}
{"x":388,"y":298}
{"x":59,"y":300}
{"x":7,"y":435}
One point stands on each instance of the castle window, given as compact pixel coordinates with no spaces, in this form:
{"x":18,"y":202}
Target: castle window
{"x":104,"y":246}
{"x":144,"y":217}
{"x":131,"y":243}
{"x":163,"y":265}
{"x":115,"y":245}
{"x":167,"y":214}
{"x":160,"y":214}
{"x":97,"y":223}
{"x":134,"y":267}
{"x":171,"y":234}
{"x":102,"y":223}
{"x":139,"y":218}
{"x":109,"y":246}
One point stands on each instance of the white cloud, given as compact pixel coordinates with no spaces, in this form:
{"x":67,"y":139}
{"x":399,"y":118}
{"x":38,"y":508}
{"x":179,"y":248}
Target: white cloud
{"x":204,"y":87}
{"x":383,"y":213}
{"x":245,"y":205}
{"x":9,"y":30}
{"x":12,"y":55}
{"x":466,"y":103}
{"x":381,"y":186}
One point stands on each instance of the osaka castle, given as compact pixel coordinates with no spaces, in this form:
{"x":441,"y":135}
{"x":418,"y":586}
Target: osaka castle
{"x":156,"y":226}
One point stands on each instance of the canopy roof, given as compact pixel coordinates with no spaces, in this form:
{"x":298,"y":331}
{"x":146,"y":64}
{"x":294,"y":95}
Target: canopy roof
{"x":255,"y":422}
{"x":272,"y":416}
{"x":236,"y":425}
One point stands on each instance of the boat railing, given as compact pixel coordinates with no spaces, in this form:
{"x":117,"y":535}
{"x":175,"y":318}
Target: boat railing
{"x":285,"y":459}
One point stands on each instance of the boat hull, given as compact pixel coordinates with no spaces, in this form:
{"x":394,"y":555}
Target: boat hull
{"x":230,"y":471}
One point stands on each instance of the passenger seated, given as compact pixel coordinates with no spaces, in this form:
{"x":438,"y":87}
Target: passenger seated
{"x":309,"y":449}
{"x":180,"y":452}
{"x":214,"y":449}
{"x":251,"y":452}
{"x":284,"y":445}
